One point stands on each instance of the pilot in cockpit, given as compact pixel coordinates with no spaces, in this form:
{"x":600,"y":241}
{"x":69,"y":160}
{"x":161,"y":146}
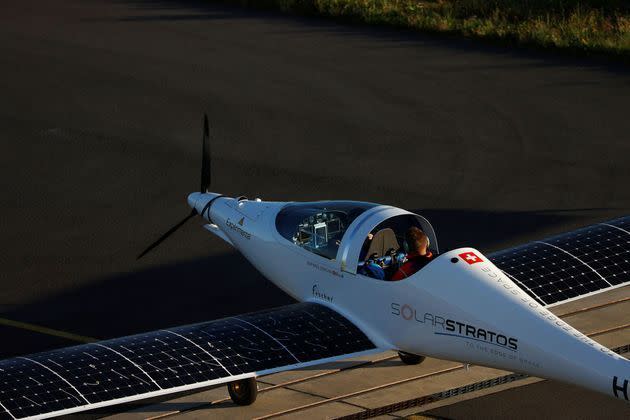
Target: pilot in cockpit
{"x":366,"y":246}
{"x":419,"y":254}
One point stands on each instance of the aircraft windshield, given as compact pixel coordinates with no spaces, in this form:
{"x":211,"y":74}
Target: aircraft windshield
{"x":319,"y":226}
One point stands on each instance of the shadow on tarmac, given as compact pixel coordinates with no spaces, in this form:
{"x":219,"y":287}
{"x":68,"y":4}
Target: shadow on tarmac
{"x":223,"y":285}
{"x":187,"y":292}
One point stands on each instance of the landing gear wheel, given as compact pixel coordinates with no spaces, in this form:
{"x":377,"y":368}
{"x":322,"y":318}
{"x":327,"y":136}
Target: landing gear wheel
{"x":244,"y":391}
{"x":410,"y":359}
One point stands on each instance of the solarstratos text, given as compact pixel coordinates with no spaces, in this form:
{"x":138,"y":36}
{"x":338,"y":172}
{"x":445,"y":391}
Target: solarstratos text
{"x":454,"y":328}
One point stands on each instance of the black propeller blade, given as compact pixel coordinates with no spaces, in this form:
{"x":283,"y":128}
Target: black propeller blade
{"x":205,"y":184}
{"x":168,"y":233}
{"x":206,"y":172}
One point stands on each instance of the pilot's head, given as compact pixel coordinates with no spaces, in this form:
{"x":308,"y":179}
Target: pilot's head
{"x":417,"y":240}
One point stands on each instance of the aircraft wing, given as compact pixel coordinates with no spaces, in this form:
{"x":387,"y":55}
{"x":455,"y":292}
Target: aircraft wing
{"x":572,"y":265}
{"x":162,"y":362}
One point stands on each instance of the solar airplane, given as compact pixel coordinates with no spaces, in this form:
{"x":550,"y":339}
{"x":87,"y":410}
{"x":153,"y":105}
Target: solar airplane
{"x":490,"y":310}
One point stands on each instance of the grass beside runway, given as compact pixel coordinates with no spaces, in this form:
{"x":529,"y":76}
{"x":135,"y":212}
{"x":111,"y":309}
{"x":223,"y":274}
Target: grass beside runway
{"x":582,"y":26}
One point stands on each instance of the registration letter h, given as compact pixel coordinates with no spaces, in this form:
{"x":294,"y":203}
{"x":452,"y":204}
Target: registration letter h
{"x":623,"y":388}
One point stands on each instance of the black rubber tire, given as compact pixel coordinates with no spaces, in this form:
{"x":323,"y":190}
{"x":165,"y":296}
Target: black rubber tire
{"x":244,"y":391}
{"x":410,"y":359}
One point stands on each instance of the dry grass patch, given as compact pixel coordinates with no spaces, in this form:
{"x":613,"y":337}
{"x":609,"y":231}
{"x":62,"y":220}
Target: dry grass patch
{"x":597,"y":26}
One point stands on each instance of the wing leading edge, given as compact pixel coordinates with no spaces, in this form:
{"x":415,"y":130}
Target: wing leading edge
{"x":572,"y":265}
{"x":171,"y":360}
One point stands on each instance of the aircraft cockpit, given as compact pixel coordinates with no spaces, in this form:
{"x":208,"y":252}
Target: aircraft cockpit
{"x":357,"y":235}
{"x":319,"y":226}
{"x":385,"y":248}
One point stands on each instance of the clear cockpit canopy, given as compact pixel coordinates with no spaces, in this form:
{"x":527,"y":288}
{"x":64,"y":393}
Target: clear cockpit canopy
{"x":319,"y":226}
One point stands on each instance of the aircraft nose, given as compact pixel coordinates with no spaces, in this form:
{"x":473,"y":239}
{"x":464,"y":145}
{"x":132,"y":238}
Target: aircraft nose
{"x":193,"y":198}
{"x":198,"y":201}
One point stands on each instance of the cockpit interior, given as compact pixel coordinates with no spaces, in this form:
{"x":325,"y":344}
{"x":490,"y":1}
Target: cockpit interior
{"x":385,"y":249}
{"x":319,"y":226}
{"x":321,"y":233}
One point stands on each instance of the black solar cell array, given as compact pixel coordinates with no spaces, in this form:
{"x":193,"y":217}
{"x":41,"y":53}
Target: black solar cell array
{"x":130,"y":366}
{"x":573,"y":264}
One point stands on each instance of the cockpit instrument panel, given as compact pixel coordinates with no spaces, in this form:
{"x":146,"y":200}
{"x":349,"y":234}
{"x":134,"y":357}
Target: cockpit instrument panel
{"x":317,"y":231}
{"x":319,"y":226}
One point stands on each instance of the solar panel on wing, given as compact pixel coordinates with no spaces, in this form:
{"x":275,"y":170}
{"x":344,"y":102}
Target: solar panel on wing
{"x":566,"y":266}
{"x":178,"y":358}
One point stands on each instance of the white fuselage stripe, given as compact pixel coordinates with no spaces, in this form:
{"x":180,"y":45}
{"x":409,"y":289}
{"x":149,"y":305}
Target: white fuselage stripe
{"x":129,"y":360}
{"x":200,"y":348}
{"x":270,"y":336}
{"x":60,"y":377}
{"x":616,"y":227}
{"x":573,"y":256}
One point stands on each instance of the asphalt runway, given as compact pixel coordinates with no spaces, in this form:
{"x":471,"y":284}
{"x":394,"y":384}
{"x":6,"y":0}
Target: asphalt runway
{"x":100,"y":127}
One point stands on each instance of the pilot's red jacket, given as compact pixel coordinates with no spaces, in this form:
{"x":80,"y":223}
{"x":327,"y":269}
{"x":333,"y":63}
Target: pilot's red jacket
{"x":414,"y":263}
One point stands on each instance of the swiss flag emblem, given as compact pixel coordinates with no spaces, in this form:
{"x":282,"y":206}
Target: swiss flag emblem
{"x":470,"y":257}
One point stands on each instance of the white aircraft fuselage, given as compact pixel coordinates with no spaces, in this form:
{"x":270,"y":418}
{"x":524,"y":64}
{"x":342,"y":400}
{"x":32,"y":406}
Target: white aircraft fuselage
{"x":459,"y":307}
